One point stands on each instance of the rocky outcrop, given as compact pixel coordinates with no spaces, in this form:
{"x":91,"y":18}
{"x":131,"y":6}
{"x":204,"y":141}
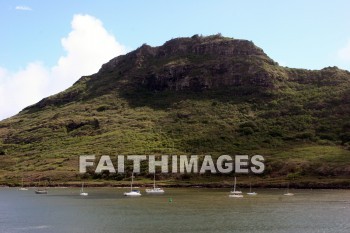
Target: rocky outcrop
{"x":196,"y":63}
{"x":192,"y":77}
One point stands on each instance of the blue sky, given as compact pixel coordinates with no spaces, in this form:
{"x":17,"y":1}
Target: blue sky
{"x":305,"y":34}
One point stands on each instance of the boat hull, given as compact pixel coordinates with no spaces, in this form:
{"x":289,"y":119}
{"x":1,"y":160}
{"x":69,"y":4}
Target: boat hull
{"x":236,"y":195}
{"x":155,"y":191}
{"x":236,"y":192}
{"x":132,"y":194}
{"x":40,"y":191}
{"x":252,"y":194}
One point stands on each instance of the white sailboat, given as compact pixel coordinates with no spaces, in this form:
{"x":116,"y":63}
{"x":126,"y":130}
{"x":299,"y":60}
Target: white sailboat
{"x":132,"y":193}
{"x":288,"y":193}
{"x":250,"y":191}
{"x":22,"y":188}
{"x":235,"y":193}
{"x":155,"y":190}
{"x":82,"y":193}
{"x":40,"y":191}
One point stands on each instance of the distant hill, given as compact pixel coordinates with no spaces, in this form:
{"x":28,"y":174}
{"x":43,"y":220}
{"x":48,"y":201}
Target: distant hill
{"x":199,"y":95}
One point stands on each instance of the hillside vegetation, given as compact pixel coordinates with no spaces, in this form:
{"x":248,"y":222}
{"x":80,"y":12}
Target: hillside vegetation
{"x":199,"y":95}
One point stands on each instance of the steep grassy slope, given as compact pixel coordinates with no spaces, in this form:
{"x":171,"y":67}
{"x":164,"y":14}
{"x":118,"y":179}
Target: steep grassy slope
{"x":199,"y":95}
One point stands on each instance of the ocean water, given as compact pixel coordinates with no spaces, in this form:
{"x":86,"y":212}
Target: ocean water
{"x":106,"y":210}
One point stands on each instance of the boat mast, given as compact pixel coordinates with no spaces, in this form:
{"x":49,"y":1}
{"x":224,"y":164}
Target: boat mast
{"x":154,"y":180}
{"x":234,"y":186}
{"x":132,"y":180}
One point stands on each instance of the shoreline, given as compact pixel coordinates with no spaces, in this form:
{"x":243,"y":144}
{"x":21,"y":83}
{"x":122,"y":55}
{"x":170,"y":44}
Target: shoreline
{"x":301,"y":185}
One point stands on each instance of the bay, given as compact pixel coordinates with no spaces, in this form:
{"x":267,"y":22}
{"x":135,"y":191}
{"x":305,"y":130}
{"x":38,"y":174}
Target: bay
{"x":202,"y":210}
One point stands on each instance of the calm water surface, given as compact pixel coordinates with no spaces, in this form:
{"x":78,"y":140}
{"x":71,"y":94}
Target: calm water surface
{"x":191,"y":210}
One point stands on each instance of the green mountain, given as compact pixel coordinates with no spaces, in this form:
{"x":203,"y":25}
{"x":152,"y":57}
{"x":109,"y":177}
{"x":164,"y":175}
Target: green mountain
{"x":199,"y":95}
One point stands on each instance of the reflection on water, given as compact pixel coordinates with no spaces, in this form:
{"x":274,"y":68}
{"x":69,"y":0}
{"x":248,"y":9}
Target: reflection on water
{"x":191,"y":210}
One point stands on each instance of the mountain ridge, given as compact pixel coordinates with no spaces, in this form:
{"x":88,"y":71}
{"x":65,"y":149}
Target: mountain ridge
{"x":177,"y":69}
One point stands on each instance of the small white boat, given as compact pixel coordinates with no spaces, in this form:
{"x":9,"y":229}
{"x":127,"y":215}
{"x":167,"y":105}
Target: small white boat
{"x":132,"y":193}
{"x":40,"y":191}
{"x":22,"y":188}
{"x":250,"y":191}
{"x":288,"y":193}
{"x":155,"y":190}
{"x":235,"y":193}
{"x":82,"y":193}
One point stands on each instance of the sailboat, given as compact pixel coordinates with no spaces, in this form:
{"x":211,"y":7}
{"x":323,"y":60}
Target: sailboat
{"x":40,"y":191}
{"x":235,"y":193}
{"x":288,"y":193}
{"x":132,"y":193}
{"x":155,"y":190}
{"x":22,"y":188}
{"x":250,"y":191}
{"x":82,"y":193}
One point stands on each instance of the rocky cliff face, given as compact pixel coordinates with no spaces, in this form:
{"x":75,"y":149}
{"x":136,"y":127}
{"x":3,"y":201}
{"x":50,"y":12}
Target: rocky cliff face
{"x":196,"y":45}
{"x":196,"y":63}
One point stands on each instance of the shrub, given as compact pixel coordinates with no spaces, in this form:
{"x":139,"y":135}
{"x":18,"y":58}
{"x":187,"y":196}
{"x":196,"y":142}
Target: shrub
{"x":102,"y":108}
{"x":275,"y":133}
{"x":304,"y":136}
{"x":345,"y":137}
{"x":246,"y":131}
{"x":249,"y":124}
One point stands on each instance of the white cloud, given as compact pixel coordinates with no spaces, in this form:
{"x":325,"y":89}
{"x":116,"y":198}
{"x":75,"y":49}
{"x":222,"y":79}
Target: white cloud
{"x":22,"y":88}
{"x":344,"y":53}
{"x":23,"y":8}
{"x":87,"y":47}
